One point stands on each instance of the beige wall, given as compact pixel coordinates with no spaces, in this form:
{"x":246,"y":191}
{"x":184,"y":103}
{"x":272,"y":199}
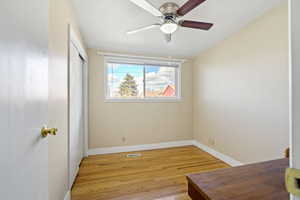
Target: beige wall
{"x":60,"y":15}
{"x":235,"y":98}
{"x":241,"y":91}
{"x":139,"y":123}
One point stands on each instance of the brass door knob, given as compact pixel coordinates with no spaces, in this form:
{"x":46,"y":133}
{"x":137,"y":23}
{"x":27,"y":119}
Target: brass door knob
{"x":48,"y":131}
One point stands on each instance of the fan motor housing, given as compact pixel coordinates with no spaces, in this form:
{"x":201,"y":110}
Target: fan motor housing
{"x":169,"y":9}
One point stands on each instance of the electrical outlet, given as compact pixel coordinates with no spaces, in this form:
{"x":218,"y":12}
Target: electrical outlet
{"x":211,"y":141}
{"x":123,"y":139}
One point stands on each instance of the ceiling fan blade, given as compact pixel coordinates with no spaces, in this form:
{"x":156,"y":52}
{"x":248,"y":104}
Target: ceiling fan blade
{"x":195,"y":24}
{"x":143,"y":29}
{"x":168,"y":37}
{"x":188,"y":6}
{"x":148,"y":7}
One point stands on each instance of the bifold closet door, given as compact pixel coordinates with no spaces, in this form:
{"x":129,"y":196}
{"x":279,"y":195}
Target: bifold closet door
{"x":76,"y":112}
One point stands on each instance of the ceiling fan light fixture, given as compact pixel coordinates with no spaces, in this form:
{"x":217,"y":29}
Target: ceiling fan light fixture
{"x":169,"y":14}
{"x":169,"y":27}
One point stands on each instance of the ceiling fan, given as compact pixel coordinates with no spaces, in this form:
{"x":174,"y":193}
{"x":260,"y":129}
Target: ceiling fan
{"x":169,"y":14}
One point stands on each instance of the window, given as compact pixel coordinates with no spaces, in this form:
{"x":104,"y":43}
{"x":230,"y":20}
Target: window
{"x":142,"y":81}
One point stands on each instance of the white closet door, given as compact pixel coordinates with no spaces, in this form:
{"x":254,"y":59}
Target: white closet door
{"x":76,"y":112}
{"x":295,"y":85}
{"x":23,"y":99}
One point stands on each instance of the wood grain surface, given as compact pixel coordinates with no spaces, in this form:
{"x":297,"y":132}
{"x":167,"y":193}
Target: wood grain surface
{"x":157,"y":174}
{"x":261,"y":181}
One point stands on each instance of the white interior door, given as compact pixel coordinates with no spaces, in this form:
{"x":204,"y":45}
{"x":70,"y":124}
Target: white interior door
{"x":23,"y":99}
{"x":76,"y":112}
{"x":295,"y":92}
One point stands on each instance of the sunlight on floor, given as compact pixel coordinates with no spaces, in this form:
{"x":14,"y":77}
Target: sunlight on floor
{"x":176,"y":197}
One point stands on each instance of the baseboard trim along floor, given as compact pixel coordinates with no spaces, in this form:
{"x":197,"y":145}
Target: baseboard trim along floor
{"x":68,"y":196}
{"x":227,"y":159}
{"x":121,"y":149}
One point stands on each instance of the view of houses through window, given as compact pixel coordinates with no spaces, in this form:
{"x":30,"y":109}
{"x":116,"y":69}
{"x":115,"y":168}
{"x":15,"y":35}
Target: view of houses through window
{"x":141,"y":81}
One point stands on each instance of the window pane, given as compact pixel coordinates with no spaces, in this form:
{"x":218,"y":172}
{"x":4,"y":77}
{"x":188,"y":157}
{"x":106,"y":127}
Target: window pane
{"x":160,"y":81}
{"x":125,"y":81}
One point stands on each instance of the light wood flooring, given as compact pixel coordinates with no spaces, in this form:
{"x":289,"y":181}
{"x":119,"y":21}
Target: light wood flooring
{"x":157,"y":174}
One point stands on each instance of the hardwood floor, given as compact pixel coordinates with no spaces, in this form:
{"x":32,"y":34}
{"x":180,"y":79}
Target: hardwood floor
{"x":157,"y":174}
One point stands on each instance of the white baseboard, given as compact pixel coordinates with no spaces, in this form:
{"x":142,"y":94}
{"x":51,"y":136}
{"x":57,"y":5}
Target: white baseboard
{"x":232,"y":162}
{"x":108,"y":150}
{"x":68,"y":196}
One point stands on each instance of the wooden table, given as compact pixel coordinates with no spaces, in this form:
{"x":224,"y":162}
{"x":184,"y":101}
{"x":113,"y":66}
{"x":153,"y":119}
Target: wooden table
{"x":261,"y":181}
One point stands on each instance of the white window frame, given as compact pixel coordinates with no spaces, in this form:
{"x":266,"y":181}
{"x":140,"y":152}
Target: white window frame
{"x":139,"y":61}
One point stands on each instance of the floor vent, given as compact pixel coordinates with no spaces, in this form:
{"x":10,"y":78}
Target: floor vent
{"x":133,"y":155}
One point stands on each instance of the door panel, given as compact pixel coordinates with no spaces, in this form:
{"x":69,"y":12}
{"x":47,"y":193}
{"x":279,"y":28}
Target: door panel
{"x":295,"y":92}
{"x":23,"y":99}
{"x":76,"y":112}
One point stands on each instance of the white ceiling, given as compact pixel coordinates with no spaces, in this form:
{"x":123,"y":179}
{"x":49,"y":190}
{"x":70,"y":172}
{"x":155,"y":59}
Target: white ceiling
{"x":103,"y":24}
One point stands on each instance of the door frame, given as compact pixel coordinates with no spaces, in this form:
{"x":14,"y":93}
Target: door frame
{"x":294,"y":46}
{"x":74,"y":40}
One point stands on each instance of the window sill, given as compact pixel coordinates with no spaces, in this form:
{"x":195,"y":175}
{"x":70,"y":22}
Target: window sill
{"x":148,"y":100}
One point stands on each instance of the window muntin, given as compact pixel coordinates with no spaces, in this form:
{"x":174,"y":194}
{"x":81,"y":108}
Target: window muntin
{"x":130,"y":81}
